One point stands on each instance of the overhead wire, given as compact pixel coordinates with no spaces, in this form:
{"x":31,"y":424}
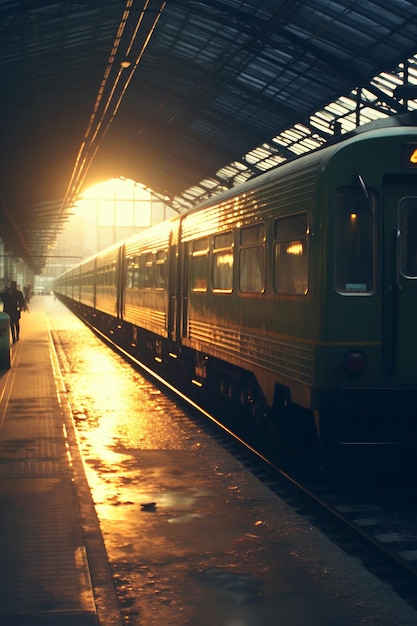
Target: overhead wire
{"x":104,"y":111}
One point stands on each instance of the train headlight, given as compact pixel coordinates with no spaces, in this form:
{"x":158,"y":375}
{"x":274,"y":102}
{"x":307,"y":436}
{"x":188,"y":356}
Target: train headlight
{"x":354,"y":362}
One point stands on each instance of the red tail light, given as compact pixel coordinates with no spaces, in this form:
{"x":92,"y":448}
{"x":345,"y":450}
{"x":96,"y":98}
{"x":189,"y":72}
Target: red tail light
{"x":355,"y":362}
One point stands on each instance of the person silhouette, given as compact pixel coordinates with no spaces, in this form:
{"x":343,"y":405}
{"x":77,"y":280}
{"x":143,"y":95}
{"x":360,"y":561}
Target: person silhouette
{"x":14,"y":303}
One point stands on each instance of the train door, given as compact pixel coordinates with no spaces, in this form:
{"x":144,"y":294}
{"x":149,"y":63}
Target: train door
{"x":120,"y":282}
{"x":172,"y":286}
{"x":175,"y":283}
{"x":183,"y":306}
{"x":400,"y":283}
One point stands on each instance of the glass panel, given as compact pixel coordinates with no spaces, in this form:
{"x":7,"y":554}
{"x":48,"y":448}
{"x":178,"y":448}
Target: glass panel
{"x":223,"y":262}
{"x":130,"y":279}
{"x":142,"y":271}
{"x":355,"y":241}
{"x":160,"y":269}
{"x":408,"y":241}
{"x":146,"y":275}
{"x":149,"y":271}
{"x":135,"y":279}
{"x":225,"y":240}
{"x":252,"y":235}
{"x":200,"y":245}
{"x":252,"y":259}
{"x":291,"y":255}
{"x":199,"y":265}
{"x":223,"y":271}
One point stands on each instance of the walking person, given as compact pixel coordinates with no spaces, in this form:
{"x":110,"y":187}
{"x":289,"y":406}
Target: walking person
{"x":27,"y":290}
{"x":14,"y":303}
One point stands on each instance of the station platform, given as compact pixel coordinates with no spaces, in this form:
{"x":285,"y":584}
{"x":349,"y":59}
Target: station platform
{"x":219,"y":549}
{"x":46,"y":512}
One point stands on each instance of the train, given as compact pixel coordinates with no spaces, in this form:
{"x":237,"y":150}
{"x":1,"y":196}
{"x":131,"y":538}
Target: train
{"x":294,"y":290}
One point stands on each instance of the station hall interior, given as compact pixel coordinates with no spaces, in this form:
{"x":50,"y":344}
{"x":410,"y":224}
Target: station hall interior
{"x":117,"y":506}
{"x":182,"y":99}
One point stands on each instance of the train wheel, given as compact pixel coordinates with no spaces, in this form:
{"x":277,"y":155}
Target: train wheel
{"x":255,"y":406}
{"x":232,"y":392}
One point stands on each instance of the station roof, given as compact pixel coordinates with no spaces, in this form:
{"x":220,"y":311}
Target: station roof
{"x":185,"y":96}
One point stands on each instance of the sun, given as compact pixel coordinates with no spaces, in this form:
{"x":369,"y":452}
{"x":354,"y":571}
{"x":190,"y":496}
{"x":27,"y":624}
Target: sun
{"x":121,"y":188}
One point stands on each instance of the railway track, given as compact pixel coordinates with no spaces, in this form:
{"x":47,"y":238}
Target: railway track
{"x":377,"y":526}
{"x":379,"y":529}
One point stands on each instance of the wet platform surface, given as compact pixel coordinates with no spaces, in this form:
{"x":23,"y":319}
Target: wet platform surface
{"x":215,"y":548}
{"x":44,"y":572}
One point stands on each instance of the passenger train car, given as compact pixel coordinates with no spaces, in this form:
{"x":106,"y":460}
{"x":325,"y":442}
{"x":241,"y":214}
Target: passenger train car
{"x":298,"y":288}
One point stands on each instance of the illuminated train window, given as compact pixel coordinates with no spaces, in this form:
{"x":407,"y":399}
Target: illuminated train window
{"x":223,"y":262}
{"x":355,"y":241}
{"x":198,"y":271}
{"x":252,"y":259}
{"x":291,"y":254}
{"x":144,"y":271}
{"x":132,"y":274}
{"x":160,"y":272}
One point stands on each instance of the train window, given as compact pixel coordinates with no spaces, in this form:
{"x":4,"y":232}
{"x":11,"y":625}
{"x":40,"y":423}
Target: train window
{"x":252,"y":259}
{"x":408,"y":241}
{"x":110,"y":275}
{"x":87,"y":283}
{"x":129,"y":274}
{"x":148,"y":271}
{"x":132,"y":278}
{"x":291,"y":254}
{"x":355,"y":241}
{"x":199,"y":264}
{"x":135,"y":277}
{"x":101,"y":277}
{"x":223,"y":262}
{"x":160,"y":269}
{"x":142,"y":271}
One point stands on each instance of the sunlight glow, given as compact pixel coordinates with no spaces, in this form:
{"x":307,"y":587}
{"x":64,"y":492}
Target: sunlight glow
{"x":121,"y":202}
{"x":122,"y":188}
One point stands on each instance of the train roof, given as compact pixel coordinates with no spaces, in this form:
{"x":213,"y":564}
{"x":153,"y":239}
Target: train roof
{"x":403,"y":125}
{"x":158,"y":235}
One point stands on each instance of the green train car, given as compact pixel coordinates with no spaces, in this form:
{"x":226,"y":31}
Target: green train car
{"x":297,"y":288}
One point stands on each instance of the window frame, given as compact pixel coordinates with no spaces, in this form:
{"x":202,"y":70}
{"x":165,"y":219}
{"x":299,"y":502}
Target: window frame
{"x":198,"y":259}
{"x":246,"y":247}
{"x":368,"y":200}
{"x":405,"y":237}
{"x":223,"y":247}
{"x":291,"y":239}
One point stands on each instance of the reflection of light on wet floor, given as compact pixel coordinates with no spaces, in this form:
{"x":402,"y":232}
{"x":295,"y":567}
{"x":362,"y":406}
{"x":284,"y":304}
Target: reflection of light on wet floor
{"x":181,"y":519}
{"x":182,"y":499}
{"x":177,"y":500}
{"x":98,"y":361}
{"x":102,"y":461}
{"x":102,"y":441}
{"x":128,"y":402}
